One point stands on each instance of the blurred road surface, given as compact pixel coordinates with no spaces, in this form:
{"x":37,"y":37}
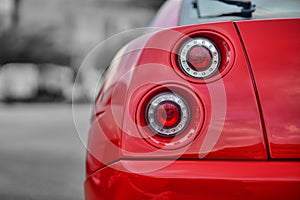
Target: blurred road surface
{"x":41,"y":156}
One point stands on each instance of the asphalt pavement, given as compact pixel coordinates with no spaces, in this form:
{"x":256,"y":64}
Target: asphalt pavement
{"x":41,"y":154}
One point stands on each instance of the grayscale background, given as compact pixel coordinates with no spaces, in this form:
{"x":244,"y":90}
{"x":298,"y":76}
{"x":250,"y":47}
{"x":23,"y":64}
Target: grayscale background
{"x":42,"y":44}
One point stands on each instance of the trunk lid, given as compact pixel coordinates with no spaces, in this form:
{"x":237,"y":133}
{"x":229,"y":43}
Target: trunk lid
{"x":273,"y":50}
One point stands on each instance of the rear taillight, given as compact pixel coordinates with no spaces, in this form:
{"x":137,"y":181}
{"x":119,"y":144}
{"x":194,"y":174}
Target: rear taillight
{"x":199,"y":58}
{"x":167,"y":114}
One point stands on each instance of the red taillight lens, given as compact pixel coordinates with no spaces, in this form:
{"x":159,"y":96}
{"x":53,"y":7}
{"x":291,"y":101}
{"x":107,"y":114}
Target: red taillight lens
{"x":199,"y":58}
{"x":167,"y":114}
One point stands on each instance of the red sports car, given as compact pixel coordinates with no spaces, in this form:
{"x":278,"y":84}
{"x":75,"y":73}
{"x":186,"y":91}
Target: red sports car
{"x":206,"y":108}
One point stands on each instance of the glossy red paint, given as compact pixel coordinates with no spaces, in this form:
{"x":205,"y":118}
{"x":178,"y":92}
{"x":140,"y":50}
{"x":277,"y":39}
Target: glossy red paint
{"x":273,"y":48}
{"x":196,"y":180}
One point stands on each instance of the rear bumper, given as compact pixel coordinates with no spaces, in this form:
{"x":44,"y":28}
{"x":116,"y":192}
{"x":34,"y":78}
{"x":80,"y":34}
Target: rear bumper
{"x":182,"y":179}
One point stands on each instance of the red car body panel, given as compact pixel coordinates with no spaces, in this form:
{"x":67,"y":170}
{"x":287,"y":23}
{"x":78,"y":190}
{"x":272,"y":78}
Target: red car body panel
{"x":260,"y":120}
{"x":273,"y":48}
{"x":195,"y":180}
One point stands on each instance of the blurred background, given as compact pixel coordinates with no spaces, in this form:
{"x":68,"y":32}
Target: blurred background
{"x":42,"y":44}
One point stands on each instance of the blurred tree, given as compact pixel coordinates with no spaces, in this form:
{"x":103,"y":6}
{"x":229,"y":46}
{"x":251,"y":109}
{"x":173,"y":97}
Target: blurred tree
{"x":154,"y":4}
{"x":16,"y":13}
{"x":19,"y":45}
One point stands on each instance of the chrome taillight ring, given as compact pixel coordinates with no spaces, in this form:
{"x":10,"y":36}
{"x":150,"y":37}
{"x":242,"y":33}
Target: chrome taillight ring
{"x":167,"y":98}
{"x":210,"y":70}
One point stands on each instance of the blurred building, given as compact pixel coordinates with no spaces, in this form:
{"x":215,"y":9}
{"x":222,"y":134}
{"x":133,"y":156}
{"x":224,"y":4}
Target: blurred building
{"x":78,"y":25}
{"x":62,"y":32}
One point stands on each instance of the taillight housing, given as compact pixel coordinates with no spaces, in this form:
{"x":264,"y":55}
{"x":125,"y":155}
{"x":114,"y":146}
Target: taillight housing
{"x":167,"y":114}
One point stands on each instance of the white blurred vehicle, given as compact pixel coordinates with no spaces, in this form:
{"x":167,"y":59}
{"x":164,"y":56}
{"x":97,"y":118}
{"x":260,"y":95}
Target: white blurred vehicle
{"x":19,"y":81}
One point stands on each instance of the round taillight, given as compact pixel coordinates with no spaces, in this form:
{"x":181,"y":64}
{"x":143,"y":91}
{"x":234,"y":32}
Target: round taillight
{"x":167,"y":114}
{"x":199,"y":58}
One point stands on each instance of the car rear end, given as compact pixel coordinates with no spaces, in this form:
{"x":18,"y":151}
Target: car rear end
{"x":200,"y":111}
